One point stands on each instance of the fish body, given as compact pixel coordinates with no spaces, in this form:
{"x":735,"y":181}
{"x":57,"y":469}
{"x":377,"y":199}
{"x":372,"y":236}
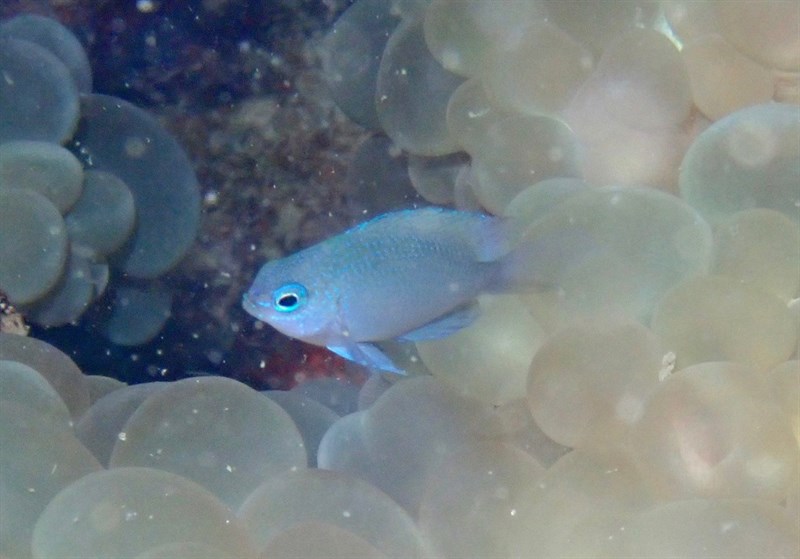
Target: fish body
{"x":408,"y":275}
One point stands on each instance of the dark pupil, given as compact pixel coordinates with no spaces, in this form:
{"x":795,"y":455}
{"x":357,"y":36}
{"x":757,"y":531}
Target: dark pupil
{"x":289,"y":300}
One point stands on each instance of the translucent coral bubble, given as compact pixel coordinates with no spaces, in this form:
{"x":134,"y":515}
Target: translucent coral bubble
{"x":59,"y":370}
{"x":596,"y":24}
{"x":766,"y":31}
{"x":637,"y":244}
{"x":216,"y":431}
{"x":539,"y":199}
{"x":318,"y":540}
{"x":749,"y":159}
{"x":459,"y":34}
{"x":513,"y":424}
{"x":351,"y":53}
{"x":718,"y":318}
{"x":100,"y":385}
{"x":104,"y":215}
{"x":38,"y":95}
{"x":644,"y":81}
{"x":137,"y":315}
{"x":25,"y":386}
{"x":708,"y":528}
{"x":43,"y":167}
{"x":186,"y":550}
{"x":412,"y":93}
{"x":760,"y":247}
{"x":33,"y":245}
{"x":469,"y":114}
{"x":722,"y":79}
{"x":83,"y":281}
{"x":40,"y":456}
{"x":591,"y":381}
{"x":615,"y":152}
{"x":689,"y":20}
{"x":339,"y":500}
{"x":126,"y":511}
{"x":470,"y":502}
{"x":50,"y":34}
{"x":577,"y":508}
{"x":711,"y":430}
{"x":399,"y":439}
{"x":311,"y":418}
{"x":783,"y":382}
{"x":489,"y":360}
{"x":103,"y":424}
{"x":339,"y":395}
{"x":517,"y":151}
{"x":378,"y":175}
{"x":116,"y":137}
{"x":435,"y":177}
{"x":539,"y":72}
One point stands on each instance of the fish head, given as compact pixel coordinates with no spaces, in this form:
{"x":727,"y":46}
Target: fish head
{"x":291,"y":300}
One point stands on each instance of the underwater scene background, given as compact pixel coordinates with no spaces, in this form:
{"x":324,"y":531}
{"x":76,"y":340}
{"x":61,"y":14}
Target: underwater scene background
{"x":636,"y":394}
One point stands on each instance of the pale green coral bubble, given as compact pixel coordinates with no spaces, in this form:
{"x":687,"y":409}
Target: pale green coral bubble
{"x":749,"y":159}
{"x":123,"y":512}
{"x":412,"y":94}
{"x":43,"y":167}
{"x":716,"y":318}
{"x":489,"y":360}
{"x":216,"y":431}
{"x":84,"y":280}
{"x":339,"y":500}
{"x":33,"y":245}
{"x":311,"y":418}
{"x":137,"y":315}
{"x":351,"y":53}
{"x":460,"y":33}
{"x":37,"y":93}
{"x":119,"y":138}
{"x":39,"y":458}
{"x":539,"y":199}
{"x":25,"y":385}
{"x":720,"y":527}
{"x":518,"y":151}
{"x":640,"y":243}
{"x":54,"y":365}
{"x":435,"y":177}
{"x":761,"y":247}
{"x":539,"y":73}
{"x":104,"y":215}
{"x":319,"y":540}
{"x":50,"y":34}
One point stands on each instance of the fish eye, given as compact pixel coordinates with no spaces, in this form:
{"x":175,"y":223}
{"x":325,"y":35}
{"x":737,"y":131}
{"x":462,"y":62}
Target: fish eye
{"x":289,"y":297}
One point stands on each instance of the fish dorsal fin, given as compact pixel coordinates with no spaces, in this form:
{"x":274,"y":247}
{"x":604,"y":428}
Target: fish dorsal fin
{"x":445,"y":325}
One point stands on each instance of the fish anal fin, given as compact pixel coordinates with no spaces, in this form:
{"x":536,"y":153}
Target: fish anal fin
{"x":445,"y":325}
{"x":367,"y":355}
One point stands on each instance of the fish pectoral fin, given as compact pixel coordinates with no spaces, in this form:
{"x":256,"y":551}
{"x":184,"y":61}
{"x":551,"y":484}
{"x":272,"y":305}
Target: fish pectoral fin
{"x":367,"y":355}
{"x":445,"y":325}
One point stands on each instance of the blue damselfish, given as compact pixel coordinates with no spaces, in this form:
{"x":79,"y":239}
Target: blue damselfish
{"x":408,"y":275}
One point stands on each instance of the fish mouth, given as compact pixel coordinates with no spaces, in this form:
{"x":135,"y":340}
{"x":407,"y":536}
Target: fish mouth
{"x":251,"y":307}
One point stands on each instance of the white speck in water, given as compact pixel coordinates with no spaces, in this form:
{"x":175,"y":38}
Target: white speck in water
{"x":122,"y":435}
{"x":346,"y":513}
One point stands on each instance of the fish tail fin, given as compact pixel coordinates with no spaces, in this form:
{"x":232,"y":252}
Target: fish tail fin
{"x":543,"y":257}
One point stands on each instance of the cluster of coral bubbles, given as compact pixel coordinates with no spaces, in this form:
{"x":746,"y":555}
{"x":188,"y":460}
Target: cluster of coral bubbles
{"x":647,"y":405}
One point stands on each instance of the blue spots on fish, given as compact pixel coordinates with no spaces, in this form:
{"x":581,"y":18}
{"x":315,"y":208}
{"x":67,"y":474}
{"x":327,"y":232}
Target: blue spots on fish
{"x":409,"y":275}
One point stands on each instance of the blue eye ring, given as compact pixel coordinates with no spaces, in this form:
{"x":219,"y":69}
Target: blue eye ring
{"x":289,"y":297}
